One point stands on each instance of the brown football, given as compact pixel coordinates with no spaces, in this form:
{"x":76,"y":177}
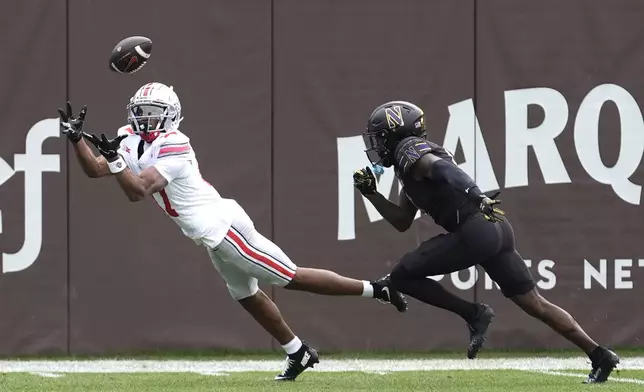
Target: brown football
{"x":131,"y":54}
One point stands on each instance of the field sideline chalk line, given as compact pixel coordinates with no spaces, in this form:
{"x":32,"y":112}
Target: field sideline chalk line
{"x":332,"y":365}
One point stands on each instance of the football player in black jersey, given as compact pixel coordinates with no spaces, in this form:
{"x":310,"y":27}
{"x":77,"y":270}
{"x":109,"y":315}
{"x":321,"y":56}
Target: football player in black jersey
{"x":477,"y":232}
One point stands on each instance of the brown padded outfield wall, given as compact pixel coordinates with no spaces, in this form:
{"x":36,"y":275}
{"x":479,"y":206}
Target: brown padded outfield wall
{"x":537,"y":99}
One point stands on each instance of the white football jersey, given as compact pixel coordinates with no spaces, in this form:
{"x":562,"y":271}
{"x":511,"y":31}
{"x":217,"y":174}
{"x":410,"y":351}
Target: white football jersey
{"x":188,"y":199}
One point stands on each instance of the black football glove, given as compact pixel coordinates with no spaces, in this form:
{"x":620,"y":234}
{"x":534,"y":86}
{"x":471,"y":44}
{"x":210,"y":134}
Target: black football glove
{"x":489,"y":210}
{"x":70,"y":125}
{"x":365,"y":181}
{"x":107,"y":147}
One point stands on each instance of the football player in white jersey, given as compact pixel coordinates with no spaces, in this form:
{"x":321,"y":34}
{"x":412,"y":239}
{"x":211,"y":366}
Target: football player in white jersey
{"x":150,"y":157}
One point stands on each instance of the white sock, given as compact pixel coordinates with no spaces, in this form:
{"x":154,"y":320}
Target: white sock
{"x":367,"y":290}
{"x":293,"y":346}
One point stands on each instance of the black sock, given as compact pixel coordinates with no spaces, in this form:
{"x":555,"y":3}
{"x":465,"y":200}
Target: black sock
{"x":377,"y":289}
{"x":433,"y":293}
{"x":596,"y":354}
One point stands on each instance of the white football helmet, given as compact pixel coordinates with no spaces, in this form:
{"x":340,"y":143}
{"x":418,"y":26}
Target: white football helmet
{"x":153,"y":109}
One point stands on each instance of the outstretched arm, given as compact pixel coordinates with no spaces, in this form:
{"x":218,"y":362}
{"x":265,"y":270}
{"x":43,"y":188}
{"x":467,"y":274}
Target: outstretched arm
{"x":93,"y":166}
{"x":153,"y":179}
{"x":139,"y":187}
{"x":72,"y":127}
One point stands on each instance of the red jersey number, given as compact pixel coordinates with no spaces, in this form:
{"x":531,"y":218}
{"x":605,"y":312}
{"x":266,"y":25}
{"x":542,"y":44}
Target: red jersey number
{"x":166,"y":203}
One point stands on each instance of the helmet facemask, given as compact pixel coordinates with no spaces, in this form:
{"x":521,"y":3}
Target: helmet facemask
{"x":149,"y":119}
{"x":377,"y":151}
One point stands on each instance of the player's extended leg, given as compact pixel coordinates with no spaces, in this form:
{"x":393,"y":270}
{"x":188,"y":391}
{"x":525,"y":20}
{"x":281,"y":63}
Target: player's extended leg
{"x":327,"y":282}
{"x":243,"y":288}
{"x":268,"y":315}
{"x":510,"y":272}
{"x":603,"y":360}
{"x":245,"y":256}
{"x":267,"y":262}
{"x":443,"y":254}
{"x":534,"y":304}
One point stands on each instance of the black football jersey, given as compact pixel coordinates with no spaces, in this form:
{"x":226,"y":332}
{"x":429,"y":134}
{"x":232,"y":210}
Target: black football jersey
{"x":447,"y":206}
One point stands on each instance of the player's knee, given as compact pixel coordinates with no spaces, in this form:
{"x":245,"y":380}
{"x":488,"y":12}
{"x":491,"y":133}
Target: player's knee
{"x":241,"y":292}
{"x":298,"y":281}
{"x":300,"y":275}
{"x":399,"y":275}
{"x":532,"y":303}
{"x":517,"y":288}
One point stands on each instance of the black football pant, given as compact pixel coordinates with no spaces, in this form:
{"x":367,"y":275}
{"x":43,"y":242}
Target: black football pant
{"x":477,"y":241}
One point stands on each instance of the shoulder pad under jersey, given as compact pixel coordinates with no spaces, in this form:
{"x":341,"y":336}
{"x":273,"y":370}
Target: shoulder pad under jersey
{"x":125,"y":130}
{"x":174,"y":137}
{"x":441,"y":152}
{"x":410,"y":150}
{"x":174,"y":144}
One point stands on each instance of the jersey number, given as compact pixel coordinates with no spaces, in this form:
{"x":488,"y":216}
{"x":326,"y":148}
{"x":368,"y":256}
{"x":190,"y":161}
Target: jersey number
{"x":166,"y":202}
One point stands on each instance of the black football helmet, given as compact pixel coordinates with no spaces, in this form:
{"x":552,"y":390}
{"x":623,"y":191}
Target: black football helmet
{"x":388,"y":125}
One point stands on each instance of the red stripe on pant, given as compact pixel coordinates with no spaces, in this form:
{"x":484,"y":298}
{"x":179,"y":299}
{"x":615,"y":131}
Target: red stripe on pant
{"x":256,"y":256}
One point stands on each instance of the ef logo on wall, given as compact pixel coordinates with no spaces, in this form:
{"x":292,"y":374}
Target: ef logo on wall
{"x":33,"y":163}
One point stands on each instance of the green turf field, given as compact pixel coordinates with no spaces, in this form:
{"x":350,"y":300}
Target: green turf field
{"x":507,"y":374}
{"x":444,"y":381}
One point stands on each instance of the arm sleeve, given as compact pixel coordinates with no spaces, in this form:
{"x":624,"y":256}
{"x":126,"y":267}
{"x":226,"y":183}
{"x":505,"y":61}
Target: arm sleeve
{"x":409,"y":151}
{"x":443,"y":170}
{"x":126,"y":130}
{"x":173,"y":157}
{"x":172,"y":168}
{"x":412,"y":149}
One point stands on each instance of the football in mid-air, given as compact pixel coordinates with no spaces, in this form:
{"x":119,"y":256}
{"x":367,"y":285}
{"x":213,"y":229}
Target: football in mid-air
{"x":131,"y":54}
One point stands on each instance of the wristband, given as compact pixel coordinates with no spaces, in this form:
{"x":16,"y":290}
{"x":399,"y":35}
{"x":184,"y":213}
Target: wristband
{"x":117,"y":166}
{"x":75,"y":139}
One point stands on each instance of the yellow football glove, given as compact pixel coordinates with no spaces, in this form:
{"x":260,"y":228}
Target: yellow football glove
{"x":489,"y":210}
{"x":364,"y":181}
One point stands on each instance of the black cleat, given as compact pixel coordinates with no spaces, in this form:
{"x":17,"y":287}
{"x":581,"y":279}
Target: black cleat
{"x":478,"y":330}
{"x":384,"y":292}
{"x":304,"y":358}
{"x":602,"y":367}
